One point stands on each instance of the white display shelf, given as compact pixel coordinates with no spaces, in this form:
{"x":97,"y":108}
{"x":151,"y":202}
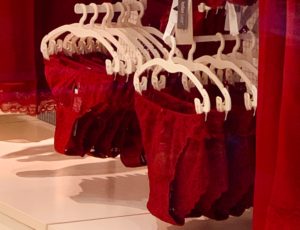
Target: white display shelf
{"x":40,"y":187}
{"x":43,"y":190}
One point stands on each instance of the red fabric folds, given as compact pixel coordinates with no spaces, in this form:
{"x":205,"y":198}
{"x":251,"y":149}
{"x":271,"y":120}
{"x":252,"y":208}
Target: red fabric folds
{"x":76,"y":88}
{"x":23,"y":87}
{"x":168,"y":143}
{"x":18,"y":77}
{"x":277,"y":186}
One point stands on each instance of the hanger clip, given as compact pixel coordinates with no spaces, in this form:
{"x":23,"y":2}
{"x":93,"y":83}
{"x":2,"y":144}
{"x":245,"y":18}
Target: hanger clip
{"x":122,"y":71}
{"x":219,"y":104}
{"x":154,"y":81}
{"x":248,"y":103}
{"x":198,"y":106}
{"x":143,"y":84}
{"x":185,"y":83}
{"x":109,"y":67}
{"x":162,"y":82}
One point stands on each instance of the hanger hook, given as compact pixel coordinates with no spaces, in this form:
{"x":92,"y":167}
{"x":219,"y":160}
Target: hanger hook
{"x":84,"y":14}
{"x":172,"y":40}
{"x":109,"y":14}
{"x":96,"y":13}
{"x":122,"y":12}
{"x":192,"y":51}
{"x":253,"y":39}
{"x":237,"y":44}
{"x":112,"y":13}
{"x":222,"y":45}
{"x":142,"y":12}
{"x":127,"y":12}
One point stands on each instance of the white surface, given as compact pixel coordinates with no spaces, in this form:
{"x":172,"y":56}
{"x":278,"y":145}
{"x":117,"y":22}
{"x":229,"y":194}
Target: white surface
{"x":45,"y":190}
{"x":137,"y":222}
{"x":8,"y":223}
{"x":40,"y":187}
{"x":148,"y":222}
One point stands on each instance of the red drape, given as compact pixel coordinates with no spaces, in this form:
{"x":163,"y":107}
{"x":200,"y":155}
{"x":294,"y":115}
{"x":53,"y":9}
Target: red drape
{"x":277,"y":203}
{"x":23,"y":24}
{"x":17,"y":71}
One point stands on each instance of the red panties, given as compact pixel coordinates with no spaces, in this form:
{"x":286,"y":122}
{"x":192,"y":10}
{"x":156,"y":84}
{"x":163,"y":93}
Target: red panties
{"x":76,"y":88}
{"x":173,"y":137}
{"x":240,"y":148}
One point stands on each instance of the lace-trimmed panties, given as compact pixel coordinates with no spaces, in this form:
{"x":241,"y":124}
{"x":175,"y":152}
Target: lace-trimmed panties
{"x":76,"y":88}
{"x":173,"y":137}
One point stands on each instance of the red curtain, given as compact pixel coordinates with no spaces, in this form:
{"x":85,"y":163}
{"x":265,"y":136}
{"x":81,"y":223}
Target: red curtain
{"x":277,"y":203}
{"x":23,"y":24}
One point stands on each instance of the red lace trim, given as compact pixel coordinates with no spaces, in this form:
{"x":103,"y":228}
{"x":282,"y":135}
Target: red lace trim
{"x":32,"y":109}
{"x":24,"y":98}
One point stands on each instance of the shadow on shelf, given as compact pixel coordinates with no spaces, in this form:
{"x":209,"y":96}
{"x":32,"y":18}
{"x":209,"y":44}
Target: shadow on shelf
{"x":24,"y":129}
{"x":130,"y":190}
{"x":39,"y":153}
{"x":87,"y":169}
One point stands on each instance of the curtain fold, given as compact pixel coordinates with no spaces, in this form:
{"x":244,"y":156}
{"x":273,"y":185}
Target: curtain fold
{"x":276,"y":203}
{"x":23,"y":24}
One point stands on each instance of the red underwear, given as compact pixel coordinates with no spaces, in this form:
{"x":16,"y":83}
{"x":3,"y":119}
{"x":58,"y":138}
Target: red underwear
{"x":245,"y":203}
{"x":65,"y":77}
{"x":119,"y":103}
{"x":215,"y":148}
{"x":214,"y":145}
{"x":240,"y":148}
{"x":129,"y":139}
{"x":170,"y":132}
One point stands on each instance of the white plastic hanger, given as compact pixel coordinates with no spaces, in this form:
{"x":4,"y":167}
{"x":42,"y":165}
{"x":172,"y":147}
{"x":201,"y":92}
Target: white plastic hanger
{"x":132,"y":45}
{"x":79,"y":31}
{"x":145,"y":30}
{"x":221,"y":106}
{"x":111,"y":34}
{"x":127,"y":67}
{"x":239,"y":59}
{"x":114,"y":29}
{"x":171,"y":67}
{"x":127,"y":27}
{"x":252,"y":55}
{"x":152,"y":34}
{"x":250,"y":97}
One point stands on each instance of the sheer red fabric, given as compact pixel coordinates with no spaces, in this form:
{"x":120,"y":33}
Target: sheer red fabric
{"x":119,"y":104}
{"x":277,"y":185}
{"x":217,"y":164}
{"x":240,"y":151}
{"x":76,"y":89}
{"x":129,"y":138}
{"x":165,"y":148}
{"x":215,"y":149}
{"x":95,"y":112}
{"x":193,"y":162}
{"x":230,"y":146}
{"x":18,"y":76}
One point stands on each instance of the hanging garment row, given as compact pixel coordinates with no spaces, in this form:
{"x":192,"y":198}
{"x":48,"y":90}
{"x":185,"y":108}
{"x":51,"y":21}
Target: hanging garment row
{"x":121,"y":90}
